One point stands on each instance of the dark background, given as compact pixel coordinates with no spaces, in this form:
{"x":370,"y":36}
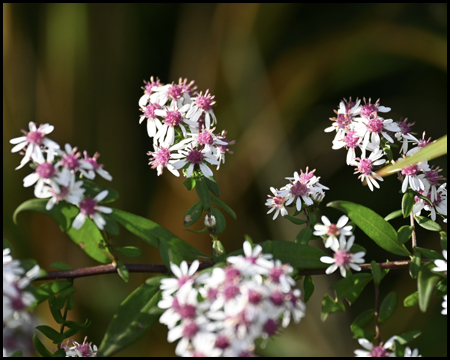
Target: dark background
{"x":278,"y":71}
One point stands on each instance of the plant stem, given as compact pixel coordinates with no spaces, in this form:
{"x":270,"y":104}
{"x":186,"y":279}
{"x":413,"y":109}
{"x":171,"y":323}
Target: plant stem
{"x":413,"y":235}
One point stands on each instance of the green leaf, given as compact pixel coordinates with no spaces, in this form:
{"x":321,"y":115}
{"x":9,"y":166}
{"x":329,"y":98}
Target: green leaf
{"x":388,"y":307}
{"x":429,"y":254}
{"x":88,"y":238}
{"x":189,"y":183}
{"x":193,"y":214}
{"x":308,"y":287}
{"x":407,"y":203}
{"x":443,"y":240}
{"x":42,"y":350}
{"x":134,"y":318}
{"x":415,"y":264}
{"x":330,"y":306}
{"x":297,"y":255}
{"x":62,"y":297}
{"x":130,"y":251}
{"x":44,"y":291}
{"x":373,"y":225}
{"x":221,"y":223}
{"x":55,"y":310}
{"x":351,"y":287}
{"x":404,"y":233}
{"x":224,"y":206}
{"x":59,"y":265}
{"x":198,"y":231}
{"x":425,"y":284}
{"x":123,"y":271}
{"x":429,"y":152}
{"x":360,"y":322}
{"x":427,"y":223}
{"x":212,"y":185}
{"x":304,"y":236}
{"x":156,"y":235}
{"x":219,"y":253}
{"x":407,"y":337}
{"x":77,"y":326}
{"x":93,"y":189}
{"x":295,"y":220}
{"x":411,"y":300}
{"x":393,"y":215}
{"x":376,"y":272}
{"x":51,"y":333}
{"x":203,"y":194}
{"x":111,"y":226}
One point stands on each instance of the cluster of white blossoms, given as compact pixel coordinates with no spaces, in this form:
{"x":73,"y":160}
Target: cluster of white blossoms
{"x":16,"y":299}
{"x":56,"y":173}
{"x":223,"y":312}
{"x":359,"y":127}
{"x":180,"y":120}
{"x":303,"y":188}
{"x":80,"y":350}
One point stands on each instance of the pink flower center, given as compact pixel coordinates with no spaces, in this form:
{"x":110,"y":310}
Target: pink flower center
{"x":71,"y":162}
{"x":365,"y":166}
{"x":277,"y":298}
{"x":275,"y":274}
{"x":279,"y":201}
{"x":35,"y":137}
{"x":205,"y":138}
{"x":230,"y":291}
{"x":195,"y":157}
{"x":88,"y":206}
{"x":254,"y":297}
{"x":175,"y":92}
{"x":404,"y":127}
{"x":45,"y":170}
{"x":351,"y":139}
{"x":423,"y":142}
{"x":92,"y":160}
{"x":342,"y":257}
{"x":333,"y":230}
{"x":222,"y":342}
{"x":161,"y":157}
{"x":432,"y":177}
{"x":85,"y":350}
{"x":305,"y":177}
{"x":149,"y":111}
{"x":343,"y":121}
{"x":190,"y":330}
{"x":369,"y":110}
{"x":173,"y":118}
{"x":232,"y":274}
{"x":203,"y":103}
{"x":379,"y":351}
{"x":410,"y":170}
{"x":183,"y":280}
{"x":187,"y":311}
{"x":375,"y":125}
{"x":270,"y":327}
{"x":299,"y":189}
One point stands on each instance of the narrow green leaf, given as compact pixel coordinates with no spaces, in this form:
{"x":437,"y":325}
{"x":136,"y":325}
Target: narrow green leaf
{"x":189,"y":183}
{"x":404,"y":233}
{"x":59,"y":265}
{"x":308,"y":287}
{"x":111,"y":226}
{"x":130,"y":251}
{"x":203,"y":194}
{"x":134,"y":318}
{"x":123,"y":271}
{"x":193,"y":214}
{"x":221,"y":223}
{"x":407,"y":203}
{"x":443,"y":240}
{"x":407,"y":337}
{"x":351,"y":287}
{"x":77,"y":326}
{"x":44,"y":291}
{"x":39,"y":346}
{"x":376,"y":272}
{"x":393,"y":215}
{"x":295,"y":220}
{"x":427,"y":223}
{"x":357,"y":327}
{"x":51,"y":333}
{"x":425,"y":284}
{"x":55,"y":310}
{"x":304,"y":236}
{"x":212,"y":185}
{"x":224,"y":206}
{"x":330,"y":306}
{"x":387,"y":307}
{"x":411,"y":300}
{"x":373,"y":225}
{"x":62,"y":297}
{"x":429,"y":254}
{"x":415,"y":264}
{"x":198,"y":231}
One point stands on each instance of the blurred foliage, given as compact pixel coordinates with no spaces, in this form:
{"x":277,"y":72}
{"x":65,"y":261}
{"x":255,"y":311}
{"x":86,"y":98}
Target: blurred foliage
{"x":278,"y":71}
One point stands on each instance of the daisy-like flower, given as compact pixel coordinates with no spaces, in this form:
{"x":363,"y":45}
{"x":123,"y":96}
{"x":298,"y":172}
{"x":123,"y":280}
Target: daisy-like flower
{"x":413,"y":177}
{"x":45,"y":174}
{"x":164,"y":157}
{"x":207,"y":140}
{"x":365,"y":165}
{"x":173,"y":117}
{"x":369,"y":110}
{"x":80,"y":350}
{"x":71,"y":163}
{"x":33,"y":141}
{"x":433,"y":177}
{"x":223,"y":149}
{"x":98,"y":168}
{"x":188,"y":88}
{"x":153,"y":123}
{"x":421,"y":143}
{"x":444,"y":306}
{"x":333,"y":230}
{"x":184,"y":274}
{"x":89,"y":208}
{"x":346,"y":114}
{"x":441,"y":265}
{"x":148,"y":90}
{"x":412,"y":353}
{"x":350,"y":141}
{"x":253,"y":262}
{"x":276,"y":203}
{"x":177,"y":94}
{"x":405,"y":135}
{"x":439,"y":204}
{"x":73,"y":193}
{"x":195,"y":157}
{"x":202,"y":104}
{"x":382,"y":350}
{"x":342,"y":258}
{"x":372,"y":129}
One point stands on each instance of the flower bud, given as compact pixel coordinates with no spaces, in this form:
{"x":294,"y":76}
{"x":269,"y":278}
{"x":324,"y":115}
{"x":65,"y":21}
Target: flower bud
{"x":210,"y":221}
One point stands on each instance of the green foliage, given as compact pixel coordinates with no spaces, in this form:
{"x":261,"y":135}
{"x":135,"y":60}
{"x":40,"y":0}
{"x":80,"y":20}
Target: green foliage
{"x":308,"y":287}
{"x":425,"y":284}
{"x":193,"y":214}
{"x":351,"y":287}
{"x":221,"y":223}
{"x":330,"y":306}
{"x":427,"y":223}
{"x":304,"y":236}
{"x":130,"y":251}
{"x":203,"y":193}
{"x":388,"y":307}
{"x":407,"y":203}
{"x":224,"y":206}
{"x":357,"y":327}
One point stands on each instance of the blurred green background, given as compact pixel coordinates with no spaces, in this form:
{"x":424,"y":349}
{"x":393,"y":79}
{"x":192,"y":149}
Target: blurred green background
{"x":278,"y":71}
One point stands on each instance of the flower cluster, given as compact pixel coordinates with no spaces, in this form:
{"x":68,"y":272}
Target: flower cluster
{"x":180,"y":120}
{"x":303,"y":188}
{"x":223,"y":312}
{"x":56,"y":170}
{"x":80,"y":350}
{"x":360,"y":128}
{"x":16,"y":300}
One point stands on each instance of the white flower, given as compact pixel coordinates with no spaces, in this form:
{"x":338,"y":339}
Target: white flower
{"x":98,"y":168}
{"x":89,"y":208}
{"x":441,"y":265}
{"x":80,"y":350}
{"x":365,"y":165}
{"x":202,"y":104}
{"x":444,"y":306}
{"x":173,"y":117}
{"x":33,"y":141}
{"x":153,"y":123}
{"x":333,"y":230}
{"x":164,"y":157}
{"x":412,"y":353}
{"x":184,"y":276}
{"x":73,"y":193}
{"x":376,"y":351}
{"x":195,"y":157}
{"x":412,"y":177}
{"x":343,"y":259}
{"x":277,"y":203}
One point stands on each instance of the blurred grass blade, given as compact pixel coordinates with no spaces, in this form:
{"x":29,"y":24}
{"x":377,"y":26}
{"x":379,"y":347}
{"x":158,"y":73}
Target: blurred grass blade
{"x":434,"y":150}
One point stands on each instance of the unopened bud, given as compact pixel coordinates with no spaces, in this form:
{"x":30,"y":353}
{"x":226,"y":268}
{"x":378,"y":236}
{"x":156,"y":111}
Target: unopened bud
{"x":210,"y":221}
